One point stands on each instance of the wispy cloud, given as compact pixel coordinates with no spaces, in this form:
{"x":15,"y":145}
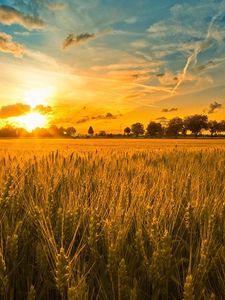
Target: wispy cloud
{"x":214,"y":106}
{"x":22,"y":33}
{"x":206,"y":43}
{"x":107,"y":116}
{"x":14,"y":110}
{"x":131,"y":20}
{"x":10,"y":15}
{"x":44,"y":110}
{"x":56,"y":6}
{"x":77,"y":39}
{"x":169,"y":109}
{"x":7,"y":45}
{"x":20,"y":109}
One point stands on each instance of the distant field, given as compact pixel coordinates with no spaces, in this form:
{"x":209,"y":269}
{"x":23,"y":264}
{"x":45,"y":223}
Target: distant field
{"x":44,"y":145}
{"x":112,"y":219}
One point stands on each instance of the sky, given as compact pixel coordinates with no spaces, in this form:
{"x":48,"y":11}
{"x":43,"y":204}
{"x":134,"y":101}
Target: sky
{"x":110,"y":63}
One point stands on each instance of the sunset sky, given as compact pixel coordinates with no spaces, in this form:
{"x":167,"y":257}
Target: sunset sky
{"x":110,"y":63}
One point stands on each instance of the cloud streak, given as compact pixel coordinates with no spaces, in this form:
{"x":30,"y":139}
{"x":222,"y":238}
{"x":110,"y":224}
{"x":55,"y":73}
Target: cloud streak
{"x":20,"y":109}
{"x":10,"y":16}
{"x":14,"y":110}
{"x":44,"y":110}
{"x":107,"y":116}
{"x":77,"y":39}
{"x":166,"y":110}
{"x":214,"y":106}
{"x":203,"y":45}
{"x":7,"y":45}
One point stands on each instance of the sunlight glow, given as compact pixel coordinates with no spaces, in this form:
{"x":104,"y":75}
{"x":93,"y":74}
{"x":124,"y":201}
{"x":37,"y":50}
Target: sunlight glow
{"x":31,"y":121}
{"x":37,"y":96}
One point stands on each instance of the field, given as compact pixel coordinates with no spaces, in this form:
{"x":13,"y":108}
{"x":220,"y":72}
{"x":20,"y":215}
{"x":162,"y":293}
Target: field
{"x":112,"y":219}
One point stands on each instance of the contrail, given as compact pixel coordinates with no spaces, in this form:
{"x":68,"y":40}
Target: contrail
{"x":206,"y":43}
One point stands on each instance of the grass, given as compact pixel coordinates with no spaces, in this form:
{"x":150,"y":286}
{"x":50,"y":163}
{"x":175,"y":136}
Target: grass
{"x":112,"y":220}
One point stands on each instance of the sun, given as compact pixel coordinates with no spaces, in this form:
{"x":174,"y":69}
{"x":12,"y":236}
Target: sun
{"x":31,"y":121}
{"x":36,"y":97}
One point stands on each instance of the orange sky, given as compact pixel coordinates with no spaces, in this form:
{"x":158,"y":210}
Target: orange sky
{"x":65,"y":65}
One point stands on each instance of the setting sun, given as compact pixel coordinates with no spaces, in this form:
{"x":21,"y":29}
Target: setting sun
{"x":36,"y":97}
{"x":31,"y":121}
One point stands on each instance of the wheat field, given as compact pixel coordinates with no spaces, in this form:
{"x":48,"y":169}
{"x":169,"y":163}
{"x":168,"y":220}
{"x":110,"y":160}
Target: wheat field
{"x":112,"y":219}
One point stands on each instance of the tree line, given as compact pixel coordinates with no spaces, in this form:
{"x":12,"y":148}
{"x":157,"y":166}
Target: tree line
{"x":190,"y":125}
{"x":177,"y":126}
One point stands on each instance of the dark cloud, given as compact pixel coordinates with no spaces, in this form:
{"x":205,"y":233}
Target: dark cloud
{"x":77,"y":39}
{"x":169,"y":109}
{"x":44,"y":110}
{"x":83,"y":120}
{"x":161,"y":118}
{"x":160,"y":75}
{"x":213,"y":107}
{"x":10,"y":15}
{"x":14,"y":110}
{"x":107,"y":116}
{"x":8,"y":46}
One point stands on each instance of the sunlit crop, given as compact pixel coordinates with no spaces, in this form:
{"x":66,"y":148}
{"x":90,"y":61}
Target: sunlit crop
{"x":112,"y":220}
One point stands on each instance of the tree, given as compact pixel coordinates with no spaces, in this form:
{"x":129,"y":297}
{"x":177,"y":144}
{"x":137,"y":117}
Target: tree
{"x":91,"y":131}
{"x":154,"y":129}
{"x":196,"y":123}
{"x":102,"y":133}
{"x":8,"y":131}
{"x":222,"y":126}
{"x":175,"y":126}
{"x":127,"y":131}
{"x":71,"y":131}
{"x":213,"y":127}
{"x":53,"y":131}
{"x":62,"y":131}
{"x":137,"y":129}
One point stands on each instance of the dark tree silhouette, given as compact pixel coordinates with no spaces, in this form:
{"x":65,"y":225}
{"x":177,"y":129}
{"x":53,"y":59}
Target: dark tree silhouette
{"x":53,"y":131}
{"x":214,"y":127}
{"x":222,"y":126}
{"x":91,"y":131}
{"x":102,"y":133}
{"x":154,"y":129}
{"x":71,"y":131}
{"x":62,"y":131}
{"x":8,"y":131}
{"x":175,"y":126}
{"x":127,"y":131}
{"x":137,"y":129}
{"x":196,"y":123}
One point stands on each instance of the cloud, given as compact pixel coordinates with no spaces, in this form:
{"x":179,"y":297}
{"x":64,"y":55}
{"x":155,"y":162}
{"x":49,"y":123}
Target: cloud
{"x":160,"y":75}
{"x":77,"y":39}
{"x":44,"y":110}
{"x":9,"y":16}
{"x":161,"y":119}
{"x":131,"y":20}
{"x":210,"y":39}
{"x":19,"y":109}
{"x":169,"y":109}
{"x":22,"y":33}
{"x":56,"y":6}
{"x":83,"y":120}
{"x":213,"y":107}
{"x":8,"y":46}
{"x":107,"y":116}
{"x":14,"y":110}
{"x":139,"y":44}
